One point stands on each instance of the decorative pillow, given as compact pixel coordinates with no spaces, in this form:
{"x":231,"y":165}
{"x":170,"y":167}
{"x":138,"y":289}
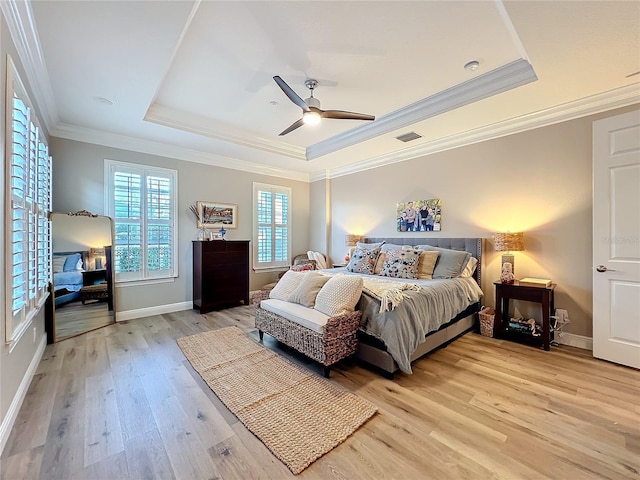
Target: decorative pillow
{"x":339,"y":295}
{"x":71,"y":262}
{"x":286,"y":285}
{"x":303,"y":267}
{"x":58,"y":264}
{"x":470,"y":267}
{"x":379,"y":263}
{"x":306,"y":293}
{"x":401,"y":263}
{"x":450,"y":262}
{"x":381,"y":257}
{"x":363,"y":261}
{"x":426,"y":264}
{"x":79,"y":265}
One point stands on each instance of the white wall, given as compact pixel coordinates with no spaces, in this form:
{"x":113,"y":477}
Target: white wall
{"x":538,"y":182}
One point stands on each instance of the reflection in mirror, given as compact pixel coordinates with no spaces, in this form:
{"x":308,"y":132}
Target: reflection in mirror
{"x":82,"y":278}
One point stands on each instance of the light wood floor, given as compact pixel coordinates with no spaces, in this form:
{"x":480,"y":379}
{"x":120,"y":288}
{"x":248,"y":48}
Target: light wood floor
{"x":122,"y":402}
{"x":75,"y":318}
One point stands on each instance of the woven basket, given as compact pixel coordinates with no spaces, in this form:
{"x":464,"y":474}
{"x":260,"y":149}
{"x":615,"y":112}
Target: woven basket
{"x":487,"y":315}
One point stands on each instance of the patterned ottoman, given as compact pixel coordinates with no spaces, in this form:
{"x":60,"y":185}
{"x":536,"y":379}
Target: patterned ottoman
{"x":98,"y":291}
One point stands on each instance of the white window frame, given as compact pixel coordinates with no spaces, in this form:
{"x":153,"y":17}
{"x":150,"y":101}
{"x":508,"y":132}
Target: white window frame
{"x":273,"y":265}
{"x":144,"y":276}
{"x":35,"y":201}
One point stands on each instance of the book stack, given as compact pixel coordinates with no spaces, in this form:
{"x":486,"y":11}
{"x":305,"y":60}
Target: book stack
{"x":535,"y":282}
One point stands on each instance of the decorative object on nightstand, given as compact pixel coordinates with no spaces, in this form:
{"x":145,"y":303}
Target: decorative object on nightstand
{"x":97,"y":254}
{"x":535,"y":282}
{"x":508,"y":242}
{"x":351,"y":241}
{"x":506,"y":276}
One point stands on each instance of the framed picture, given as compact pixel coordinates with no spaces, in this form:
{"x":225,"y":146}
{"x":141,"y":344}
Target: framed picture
{"x":419,"y":216}
{"x":217,"y":215}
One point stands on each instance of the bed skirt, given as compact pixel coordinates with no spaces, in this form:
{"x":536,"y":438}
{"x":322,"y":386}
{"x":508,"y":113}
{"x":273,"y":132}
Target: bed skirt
{"x":373,"y":351}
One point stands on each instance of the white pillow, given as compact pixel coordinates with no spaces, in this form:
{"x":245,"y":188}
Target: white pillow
{"x":306,"y":292}
{"x":470,"y":267}
{"x":79,"y":265}
{"x":339,"y":295}
{"x":286,"y":285}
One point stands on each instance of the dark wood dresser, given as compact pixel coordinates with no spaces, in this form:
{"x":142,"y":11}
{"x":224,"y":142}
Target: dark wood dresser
{"x":220,"y":274}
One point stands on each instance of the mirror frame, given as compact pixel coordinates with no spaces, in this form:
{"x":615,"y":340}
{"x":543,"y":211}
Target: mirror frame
{"x":50,"y":309}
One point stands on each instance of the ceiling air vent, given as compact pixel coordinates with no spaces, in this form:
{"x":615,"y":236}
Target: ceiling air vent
{"x":407,"y":137}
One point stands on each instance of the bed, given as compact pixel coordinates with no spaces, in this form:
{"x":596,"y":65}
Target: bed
{"x":422,"y":321}
{"x":67,"y":270}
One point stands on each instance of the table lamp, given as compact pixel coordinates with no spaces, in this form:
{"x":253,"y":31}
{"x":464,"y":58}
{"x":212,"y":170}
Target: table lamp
{"x":508,"y":242}
{"x":351,"y":241}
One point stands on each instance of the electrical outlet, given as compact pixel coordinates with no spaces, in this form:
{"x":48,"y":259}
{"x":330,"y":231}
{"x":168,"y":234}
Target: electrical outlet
{"x":562,"y":316}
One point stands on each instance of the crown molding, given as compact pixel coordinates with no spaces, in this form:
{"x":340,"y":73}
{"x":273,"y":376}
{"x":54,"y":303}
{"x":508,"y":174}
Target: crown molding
{"x":160,"y":149}
{"x":620,"y":97}
{"x":501,"y":79}
{"x":199,"y":125}
{"x":319,"y":175}
{"x":24,"y":34}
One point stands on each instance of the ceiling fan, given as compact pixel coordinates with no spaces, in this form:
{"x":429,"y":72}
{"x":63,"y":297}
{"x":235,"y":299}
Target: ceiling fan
{"x":311,"y":112}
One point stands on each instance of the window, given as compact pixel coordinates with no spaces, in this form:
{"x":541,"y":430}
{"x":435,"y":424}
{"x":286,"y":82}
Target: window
{"x":272,"y":226}
{"x":29,"y":199}
{"x":143,"y":203}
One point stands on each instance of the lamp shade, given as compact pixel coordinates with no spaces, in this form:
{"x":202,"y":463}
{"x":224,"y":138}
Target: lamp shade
{"x":351,"y":240}
{"x":508,"y":242}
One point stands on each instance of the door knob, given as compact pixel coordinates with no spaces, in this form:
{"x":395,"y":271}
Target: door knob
{"x":602,"y":268}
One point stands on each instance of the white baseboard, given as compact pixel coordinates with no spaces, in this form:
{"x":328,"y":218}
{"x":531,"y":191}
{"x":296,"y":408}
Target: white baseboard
{"x":18,"y":398}
{"x":149,"y":311}
{"x":575,"y":341}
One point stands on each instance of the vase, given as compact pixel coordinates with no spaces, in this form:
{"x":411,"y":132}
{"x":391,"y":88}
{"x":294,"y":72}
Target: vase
{"x":204,"y":235}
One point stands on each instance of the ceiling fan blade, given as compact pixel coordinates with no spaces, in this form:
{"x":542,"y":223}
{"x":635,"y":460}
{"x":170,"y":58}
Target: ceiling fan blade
{"x":340,"y":114}
{"x":293,"y":126}
{"x":293,"y":96}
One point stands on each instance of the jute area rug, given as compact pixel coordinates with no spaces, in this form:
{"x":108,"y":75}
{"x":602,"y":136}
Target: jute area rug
{"x":297,"y":414}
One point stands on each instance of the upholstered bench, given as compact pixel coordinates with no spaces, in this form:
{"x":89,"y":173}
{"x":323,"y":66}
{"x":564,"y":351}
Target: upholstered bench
{"x":321,"y":337}
{"x":98,"y":291}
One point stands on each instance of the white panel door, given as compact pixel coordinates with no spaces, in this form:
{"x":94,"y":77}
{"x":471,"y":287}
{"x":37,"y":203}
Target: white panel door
{"x":616,"y":239}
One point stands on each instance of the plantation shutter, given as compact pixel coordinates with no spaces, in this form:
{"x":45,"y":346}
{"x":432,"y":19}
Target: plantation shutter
{"x":19,"y":184}
{"x":28,"y":185}
{"x":141,"y":201}
{"x":43,"y":205}
{"x":272,"y":229}
{"x":159,"y":225}
{"x":127,"y":215}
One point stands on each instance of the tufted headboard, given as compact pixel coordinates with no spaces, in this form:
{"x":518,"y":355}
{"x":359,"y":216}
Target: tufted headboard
{"x":471,"y":245}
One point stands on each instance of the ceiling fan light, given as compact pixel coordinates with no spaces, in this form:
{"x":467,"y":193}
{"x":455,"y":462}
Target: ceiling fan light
{"x":311,"y":118}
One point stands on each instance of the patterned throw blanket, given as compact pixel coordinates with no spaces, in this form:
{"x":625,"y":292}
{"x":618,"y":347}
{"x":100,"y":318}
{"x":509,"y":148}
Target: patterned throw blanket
{"x":389,"y":293}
